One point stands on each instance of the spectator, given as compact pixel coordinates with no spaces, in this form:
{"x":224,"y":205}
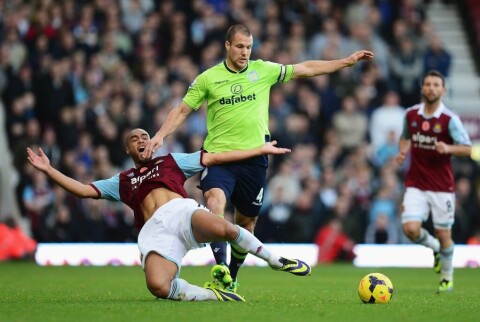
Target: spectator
{"x":385,"y":119}
{"x":38,"y":198}
{"x":333,"y":243}
{"x":436,"y":57}
{"x":407,"y":70}
{"x":350,"y":125}
{"x":382,"y":231}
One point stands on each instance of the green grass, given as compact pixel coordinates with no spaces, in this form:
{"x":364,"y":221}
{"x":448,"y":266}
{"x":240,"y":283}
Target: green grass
{"x":32,"y":293}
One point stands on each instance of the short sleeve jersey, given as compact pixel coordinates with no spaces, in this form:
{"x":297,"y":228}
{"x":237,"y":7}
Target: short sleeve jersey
{"x":133,"y":185}
{"x":237,"y":103}
{"x":430,"y":170}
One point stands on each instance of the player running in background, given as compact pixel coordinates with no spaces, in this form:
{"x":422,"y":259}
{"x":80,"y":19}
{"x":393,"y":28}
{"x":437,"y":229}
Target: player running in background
{"x":171,"y":224}
{"x":237,"y":92}
{"x":432,"y":133}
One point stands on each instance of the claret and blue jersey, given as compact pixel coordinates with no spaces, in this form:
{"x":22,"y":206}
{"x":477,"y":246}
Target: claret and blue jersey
{"x":430,"y":170}
{"x":133,"y":185}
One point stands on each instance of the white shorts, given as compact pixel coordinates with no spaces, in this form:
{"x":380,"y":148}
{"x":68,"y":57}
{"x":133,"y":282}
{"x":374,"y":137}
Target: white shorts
{"x":169,"y":231}
{"x":417,"y":205}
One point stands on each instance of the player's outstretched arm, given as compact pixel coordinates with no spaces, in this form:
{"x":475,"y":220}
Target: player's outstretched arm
{"x":176,"y":117}
{"x":210,"y":159}
{"x":42,"y":163}
{"x":311,"y":68}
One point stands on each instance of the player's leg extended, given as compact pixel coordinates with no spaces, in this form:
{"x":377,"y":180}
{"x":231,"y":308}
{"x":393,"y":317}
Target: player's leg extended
{"x":446,"y":259}
{"x":163,"y":242}
{"x":443,"y":216}
{"x":217,"y":184}
{"x":208,"y":227}
{"x":248,"y":199}
{"x":238,"y":255}
{"x":216,"y":202}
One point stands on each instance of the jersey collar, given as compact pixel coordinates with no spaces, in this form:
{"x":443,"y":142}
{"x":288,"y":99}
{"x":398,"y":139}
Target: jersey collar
{"x":232,"y":71}
{"x":438,"y":112}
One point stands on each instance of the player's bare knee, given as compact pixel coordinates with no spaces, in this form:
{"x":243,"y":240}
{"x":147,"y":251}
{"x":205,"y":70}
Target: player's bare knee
{"x":216,"y":205}
{"x":231,"y":232}
{"x":247,"y":224}
{"x":215,"y":201}
{"x":444,"y":236}
{"x":159,"y":288}
{"x":411,"y":231}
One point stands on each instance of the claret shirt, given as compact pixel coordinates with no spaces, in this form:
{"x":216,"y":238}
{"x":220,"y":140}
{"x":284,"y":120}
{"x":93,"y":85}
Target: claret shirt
{"x":133,"y":185}
{"x":237,"y":103}
{"x":430,"y":170}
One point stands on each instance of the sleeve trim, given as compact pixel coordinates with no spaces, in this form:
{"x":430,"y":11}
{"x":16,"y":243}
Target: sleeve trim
{"x":283,"y":72}
{"x":96,"y":189}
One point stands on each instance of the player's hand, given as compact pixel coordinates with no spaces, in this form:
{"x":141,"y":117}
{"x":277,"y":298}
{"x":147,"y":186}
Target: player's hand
{"x":270,"y":148}
{"x":358,"y":56}
{"x":152,"y":146}
{"x":401,"y":156}
{"x":442,"y":147}
{"x":40,"y":161}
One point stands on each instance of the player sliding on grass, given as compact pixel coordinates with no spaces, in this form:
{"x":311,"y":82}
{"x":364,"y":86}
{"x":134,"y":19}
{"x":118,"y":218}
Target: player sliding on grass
{"x":171,"y":224}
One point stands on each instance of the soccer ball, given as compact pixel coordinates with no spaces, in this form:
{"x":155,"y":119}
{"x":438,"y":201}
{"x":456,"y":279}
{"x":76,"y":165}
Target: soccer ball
{"x":375,"y":288}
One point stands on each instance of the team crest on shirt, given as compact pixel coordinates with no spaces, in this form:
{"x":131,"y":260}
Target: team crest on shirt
{"x":253,"y":76}
{"x":437,"y":128}
{"x":425,"y":125}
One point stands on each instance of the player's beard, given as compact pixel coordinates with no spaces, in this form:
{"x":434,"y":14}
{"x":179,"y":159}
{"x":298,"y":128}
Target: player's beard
{"x":432,"y":101}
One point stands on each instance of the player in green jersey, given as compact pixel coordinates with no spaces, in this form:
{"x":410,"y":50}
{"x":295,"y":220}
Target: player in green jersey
{"x":237,"y":92}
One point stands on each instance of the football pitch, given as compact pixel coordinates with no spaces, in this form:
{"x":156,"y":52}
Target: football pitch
{"x":32,"y":293}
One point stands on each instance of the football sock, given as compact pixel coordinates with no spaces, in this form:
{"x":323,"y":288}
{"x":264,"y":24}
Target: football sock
{"x":237,"y":257}
{"x":249,"y":243}
{"x":219,"y":250}
{"x":427,"y":240}
{"x":181,"y":290}
{"x":446,"y":255}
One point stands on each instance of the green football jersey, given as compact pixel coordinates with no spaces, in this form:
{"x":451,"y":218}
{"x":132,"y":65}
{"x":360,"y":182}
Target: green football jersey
{"x":237,"y":103}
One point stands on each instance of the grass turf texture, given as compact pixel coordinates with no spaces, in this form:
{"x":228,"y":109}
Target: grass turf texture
{"x":32,"y":293}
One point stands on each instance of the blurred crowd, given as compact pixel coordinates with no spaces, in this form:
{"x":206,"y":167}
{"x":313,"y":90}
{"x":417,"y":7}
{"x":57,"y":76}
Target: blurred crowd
{"x":76,"y":75}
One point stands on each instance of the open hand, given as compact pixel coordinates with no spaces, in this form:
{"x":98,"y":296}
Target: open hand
{"x":270,"y":148}
{"x":40,"y":161}
{"x":360,"y":55}
{"x":152,"y":146}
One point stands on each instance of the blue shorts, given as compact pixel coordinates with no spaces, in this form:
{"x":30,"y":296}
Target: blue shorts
{"x":242,"y":183}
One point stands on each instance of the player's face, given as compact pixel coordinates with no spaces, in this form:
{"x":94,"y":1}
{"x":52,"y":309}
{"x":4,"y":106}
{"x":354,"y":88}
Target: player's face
{"x":136,"y":141}
{"x":432,"y":89}
{"x":238,"y":51}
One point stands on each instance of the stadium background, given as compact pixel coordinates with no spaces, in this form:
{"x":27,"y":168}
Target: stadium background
{"x":76,"y":75}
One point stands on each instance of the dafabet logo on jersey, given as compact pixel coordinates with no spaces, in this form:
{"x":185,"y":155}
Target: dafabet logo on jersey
{"x":237,"y":96}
